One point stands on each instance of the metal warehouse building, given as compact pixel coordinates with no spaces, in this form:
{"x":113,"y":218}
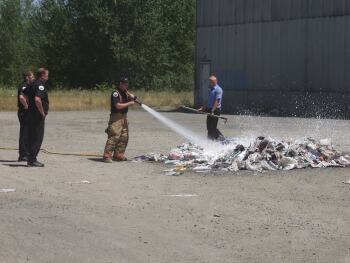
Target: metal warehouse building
{"x":282,"y":56}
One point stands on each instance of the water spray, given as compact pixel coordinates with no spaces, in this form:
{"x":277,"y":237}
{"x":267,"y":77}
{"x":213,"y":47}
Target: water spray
{"x":179,"y":129}
{"x":184,"y":132}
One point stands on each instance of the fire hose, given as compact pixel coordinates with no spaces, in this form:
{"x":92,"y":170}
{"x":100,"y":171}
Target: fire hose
{"x":134,"y":98}
{"x":68,"y":154}
{"x":57,"y":153}
{"x":100,"y":155}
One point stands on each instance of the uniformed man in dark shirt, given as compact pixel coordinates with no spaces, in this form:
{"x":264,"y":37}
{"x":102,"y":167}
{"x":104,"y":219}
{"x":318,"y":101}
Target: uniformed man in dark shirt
{"x":23,"y":105}
{"x":38,"y":110}
{"x":118,"y":131}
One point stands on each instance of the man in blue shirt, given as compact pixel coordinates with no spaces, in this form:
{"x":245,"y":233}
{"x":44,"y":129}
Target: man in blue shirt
{"x":213,"y":108}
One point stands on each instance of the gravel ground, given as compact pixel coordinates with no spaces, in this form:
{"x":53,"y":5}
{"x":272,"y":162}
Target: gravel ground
{"x":132,"y":212}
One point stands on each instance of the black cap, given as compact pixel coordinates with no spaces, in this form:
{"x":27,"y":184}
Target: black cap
{"x":124,"y":80}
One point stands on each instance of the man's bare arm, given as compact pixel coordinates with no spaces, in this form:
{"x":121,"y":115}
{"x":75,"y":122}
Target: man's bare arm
{"x":23,"y":101}
{"x":215,"y":106}
{"x":122,"y":106}
{"x":39,"y":105}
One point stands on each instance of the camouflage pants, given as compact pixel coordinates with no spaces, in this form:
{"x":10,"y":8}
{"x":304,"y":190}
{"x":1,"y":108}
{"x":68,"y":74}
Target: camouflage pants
{"x":118,"y":135}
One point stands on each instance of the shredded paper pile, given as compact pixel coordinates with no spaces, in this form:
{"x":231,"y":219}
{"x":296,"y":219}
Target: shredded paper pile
{"x":261,"y":154}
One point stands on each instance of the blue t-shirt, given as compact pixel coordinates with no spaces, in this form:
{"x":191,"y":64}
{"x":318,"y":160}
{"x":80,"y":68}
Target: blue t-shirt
{"x":215,"y":93}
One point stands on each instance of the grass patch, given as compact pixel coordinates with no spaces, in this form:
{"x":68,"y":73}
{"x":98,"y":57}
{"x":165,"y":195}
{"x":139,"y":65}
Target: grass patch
{"x":66,"y":100}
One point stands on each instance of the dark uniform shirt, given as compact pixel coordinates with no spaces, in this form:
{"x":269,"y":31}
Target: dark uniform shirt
{"x":24,"y":88}
{"x":38,"y":90}
{"x":119,"y":97}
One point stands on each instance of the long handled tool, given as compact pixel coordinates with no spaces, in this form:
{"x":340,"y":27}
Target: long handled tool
{"x":201,"y":112}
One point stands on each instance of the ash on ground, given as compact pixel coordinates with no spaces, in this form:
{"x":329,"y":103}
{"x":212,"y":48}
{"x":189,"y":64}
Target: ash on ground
{"x":259,"y":155}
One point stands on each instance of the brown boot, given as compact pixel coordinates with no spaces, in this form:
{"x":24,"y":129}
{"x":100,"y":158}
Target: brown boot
{"x":119,"y":157}
{"x":107,"y":157}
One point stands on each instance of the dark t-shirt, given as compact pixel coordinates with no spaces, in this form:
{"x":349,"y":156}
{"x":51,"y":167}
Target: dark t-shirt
{"x":24,"y":89}
{"x":119,"y":97}
{"x":38,"y":90}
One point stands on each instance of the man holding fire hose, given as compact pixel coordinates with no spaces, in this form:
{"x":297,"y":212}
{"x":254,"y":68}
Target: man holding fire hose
{"x":118,"y":130}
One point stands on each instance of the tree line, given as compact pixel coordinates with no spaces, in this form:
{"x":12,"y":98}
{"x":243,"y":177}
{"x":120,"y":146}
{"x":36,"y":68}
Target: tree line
{"x":92,"y":43}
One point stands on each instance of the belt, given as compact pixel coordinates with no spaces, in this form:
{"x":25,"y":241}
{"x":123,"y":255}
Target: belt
{"x":217,"y":109}
{"x":117,"y":116}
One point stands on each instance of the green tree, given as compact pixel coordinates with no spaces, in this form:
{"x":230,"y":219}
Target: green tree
{"x":16,"y":53}
{"x":52,"y":37}
{"x":85,"y":43}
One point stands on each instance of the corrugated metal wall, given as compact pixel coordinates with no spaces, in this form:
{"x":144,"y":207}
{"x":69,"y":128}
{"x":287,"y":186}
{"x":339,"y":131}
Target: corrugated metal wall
{"x":230,"y":12}
{"x":269,"y":53}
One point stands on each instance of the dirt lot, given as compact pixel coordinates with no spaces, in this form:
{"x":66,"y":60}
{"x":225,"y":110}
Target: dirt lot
{"x":127,"y":213}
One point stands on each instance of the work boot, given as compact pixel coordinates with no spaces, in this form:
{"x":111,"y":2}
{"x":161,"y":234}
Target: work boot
{"x":119,"y":157}
{"x":35,"y":164}
{"x":107,"y":156}
{"x":23,"y":159}
{"x":107,"y":160}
